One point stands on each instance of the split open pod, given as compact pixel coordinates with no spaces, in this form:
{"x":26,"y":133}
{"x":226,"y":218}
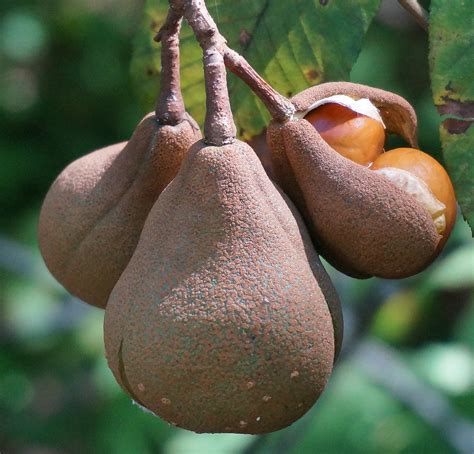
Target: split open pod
{"x":361,"y":221}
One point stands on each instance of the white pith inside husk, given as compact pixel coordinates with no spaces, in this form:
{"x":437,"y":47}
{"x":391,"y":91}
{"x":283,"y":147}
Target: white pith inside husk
{"x":419,"y":189}
{"x":363,"y":106}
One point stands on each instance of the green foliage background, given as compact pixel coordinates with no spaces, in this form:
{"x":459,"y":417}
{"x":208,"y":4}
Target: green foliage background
{"x":404,"y":383}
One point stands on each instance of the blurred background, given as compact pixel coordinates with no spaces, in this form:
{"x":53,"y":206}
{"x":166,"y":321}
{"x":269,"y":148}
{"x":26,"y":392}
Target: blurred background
{"x":404,"y":382}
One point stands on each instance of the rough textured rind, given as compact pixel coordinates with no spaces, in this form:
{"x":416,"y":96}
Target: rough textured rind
{"x":363,"y":224}
{"x":93,"y":214}
{"x":286,"y":179}
{"x":218,"y":319}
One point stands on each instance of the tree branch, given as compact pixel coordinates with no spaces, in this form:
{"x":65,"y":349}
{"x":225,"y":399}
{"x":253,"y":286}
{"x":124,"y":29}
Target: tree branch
{"x":280,"y":108}
{"x":417,"y":11}
{"x":207,"y":34}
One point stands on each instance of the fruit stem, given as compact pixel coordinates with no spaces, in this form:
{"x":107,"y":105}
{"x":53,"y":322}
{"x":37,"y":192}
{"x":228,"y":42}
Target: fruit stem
{"x":170,"y":108}
{"x":205,"y":29}
{"x":280,"y":108}
{"x":417,"y":11}
{"x":219,"y":126}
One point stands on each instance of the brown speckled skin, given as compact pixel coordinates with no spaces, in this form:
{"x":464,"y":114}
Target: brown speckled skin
{"x":218,"y":323}
{"x":362,"y":223}
{"x":93,"y":214}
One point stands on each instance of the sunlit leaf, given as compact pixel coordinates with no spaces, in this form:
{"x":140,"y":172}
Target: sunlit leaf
{"x":293,"y":45}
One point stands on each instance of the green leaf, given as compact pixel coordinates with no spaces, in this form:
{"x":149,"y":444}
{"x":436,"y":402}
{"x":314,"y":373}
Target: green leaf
{"x":452,"y":67}
{"x":292,"y":44}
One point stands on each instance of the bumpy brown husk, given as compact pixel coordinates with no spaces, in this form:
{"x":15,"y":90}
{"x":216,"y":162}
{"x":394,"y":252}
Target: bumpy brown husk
{"x":94,"y":212}
{"x":398,"y":116}
{"x":362,"y":223}
{"x":220,"y":322}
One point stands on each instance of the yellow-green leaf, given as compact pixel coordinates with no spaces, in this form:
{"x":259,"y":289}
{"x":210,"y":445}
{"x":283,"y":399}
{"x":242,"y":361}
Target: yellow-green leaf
{"x":293,"y":44}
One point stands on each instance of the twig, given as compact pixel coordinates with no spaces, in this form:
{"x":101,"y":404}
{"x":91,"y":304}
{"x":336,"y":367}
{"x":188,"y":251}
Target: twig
{"x":219,"y":126}
{"x":280,"y":108}
{"x":170,"y":108}
{"x":207,"y":34}
{"x":417,"y":11}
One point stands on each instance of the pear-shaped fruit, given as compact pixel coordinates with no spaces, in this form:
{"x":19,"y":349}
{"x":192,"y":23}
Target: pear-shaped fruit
{"x":93,"y":214}
{"x":221,"y":322}
{"x":363,"y":224}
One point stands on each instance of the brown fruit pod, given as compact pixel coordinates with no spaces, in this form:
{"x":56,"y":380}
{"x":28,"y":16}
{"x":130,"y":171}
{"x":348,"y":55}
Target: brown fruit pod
{"x":361,"y":223}
{"x":93,"y":214}
{"x":221,"y":321}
